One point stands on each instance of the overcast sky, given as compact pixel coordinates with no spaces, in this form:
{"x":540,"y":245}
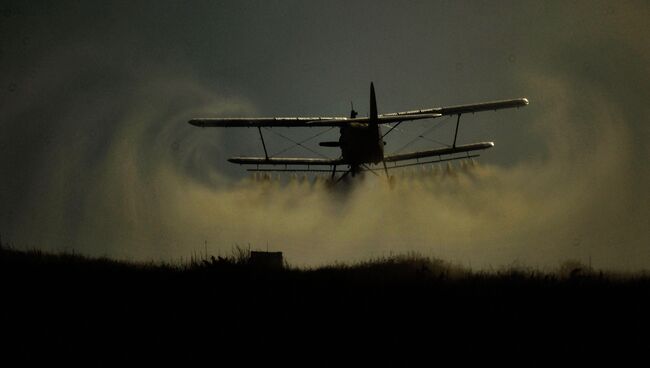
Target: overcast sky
{"x":96,"y":154}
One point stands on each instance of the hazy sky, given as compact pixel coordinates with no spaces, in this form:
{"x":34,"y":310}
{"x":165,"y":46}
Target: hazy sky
{"x":96,"y":155}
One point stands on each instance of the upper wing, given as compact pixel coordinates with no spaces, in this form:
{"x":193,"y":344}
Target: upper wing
{"x":339,"y":121}
{"x":462,"y":109}
{"x":263,"y":122}
{"x":301,"y":121}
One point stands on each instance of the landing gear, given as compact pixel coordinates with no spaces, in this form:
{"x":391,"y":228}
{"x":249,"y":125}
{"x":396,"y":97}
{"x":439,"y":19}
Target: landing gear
{"x":354,"y":170}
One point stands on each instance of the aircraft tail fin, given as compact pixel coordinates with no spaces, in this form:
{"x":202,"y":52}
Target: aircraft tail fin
{"x":373,"y":105}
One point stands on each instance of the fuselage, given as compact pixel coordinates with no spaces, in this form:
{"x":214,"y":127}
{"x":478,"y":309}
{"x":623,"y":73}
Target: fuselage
{"x":361,"y":144}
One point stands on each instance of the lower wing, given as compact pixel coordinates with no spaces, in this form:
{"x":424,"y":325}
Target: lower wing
{"x":439,"y":152}
{"x":286,"y":161}
{"x":339,"y":161}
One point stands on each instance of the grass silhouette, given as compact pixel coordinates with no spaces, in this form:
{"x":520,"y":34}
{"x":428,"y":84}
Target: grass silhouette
{"x":68,"y":307}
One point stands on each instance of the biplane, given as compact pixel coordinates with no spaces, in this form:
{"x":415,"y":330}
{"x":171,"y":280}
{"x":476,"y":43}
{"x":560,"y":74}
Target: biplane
{"x":361,"y":139}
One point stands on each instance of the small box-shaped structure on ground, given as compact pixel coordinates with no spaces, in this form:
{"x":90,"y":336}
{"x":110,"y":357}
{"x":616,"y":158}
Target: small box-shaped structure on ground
{"x":267,"y":260}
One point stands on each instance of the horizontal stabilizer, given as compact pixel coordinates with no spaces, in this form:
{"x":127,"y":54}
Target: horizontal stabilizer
{"x":439,"y":152}
{"x":330,"y":144}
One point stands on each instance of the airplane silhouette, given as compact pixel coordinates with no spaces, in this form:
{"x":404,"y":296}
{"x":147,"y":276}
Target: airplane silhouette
{"x":361,"y":139}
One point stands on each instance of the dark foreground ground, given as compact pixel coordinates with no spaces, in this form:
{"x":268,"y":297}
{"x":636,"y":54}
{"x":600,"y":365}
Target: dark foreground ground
{"x":393,"y":311}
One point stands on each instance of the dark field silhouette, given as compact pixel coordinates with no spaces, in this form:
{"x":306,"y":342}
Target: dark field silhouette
{"x":66,"y":307}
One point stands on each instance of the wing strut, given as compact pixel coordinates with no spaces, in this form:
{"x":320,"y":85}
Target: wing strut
{"x":343,"y":176}
{"x":391,"y":129}
{"x":385,"y":169}
{"x":266,"y":154}
{"x":456,"y":133}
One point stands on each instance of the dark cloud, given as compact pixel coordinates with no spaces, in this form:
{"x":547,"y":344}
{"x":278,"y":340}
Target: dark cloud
{"x":96,"y":154}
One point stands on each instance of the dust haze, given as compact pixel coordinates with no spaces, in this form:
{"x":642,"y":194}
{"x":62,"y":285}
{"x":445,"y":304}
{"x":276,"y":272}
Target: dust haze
{"x":97,"y":156}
